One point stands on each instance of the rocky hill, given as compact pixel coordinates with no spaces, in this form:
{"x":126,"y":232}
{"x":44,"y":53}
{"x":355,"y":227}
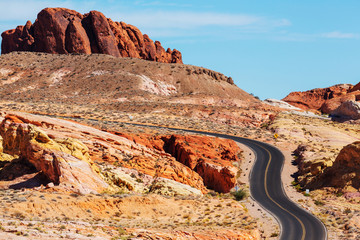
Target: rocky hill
{"x":63,"y":31}
{"x":101,"y":83}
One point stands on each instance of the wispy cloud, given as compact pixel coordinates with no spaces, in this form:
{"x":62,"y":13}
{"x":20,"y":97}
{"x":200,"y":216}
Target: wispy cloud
{"x":190,"y":23}
{"x":162,"y":4}
{"x":176,"y":19}
{"x":340,"y":35}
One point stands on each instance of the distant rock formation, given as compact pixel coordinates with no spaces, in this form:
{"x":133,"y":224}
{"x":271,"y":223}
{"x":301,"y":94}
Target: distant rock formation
{"x":348,"y":110}
{"x":315,"y":98}
{"x":63,"y":31}
{"x":325,"y":100}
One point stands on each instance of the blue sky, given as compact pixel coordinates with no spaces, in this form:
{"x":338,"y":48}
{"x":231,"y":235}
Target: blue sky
{"x":269,"y":48}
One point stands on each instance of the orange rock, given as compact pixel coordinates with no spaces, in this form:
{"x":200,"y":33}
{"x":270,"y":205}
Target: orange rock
{"x":65,"y":162}
{"x":355,"y":88}
{"x":331,"y":104}
{"x":13,"y":118}
{"x":315,"y":98}
{"x":197,"y":161}
{"x":61,"y":30}
{"x":210,"y":157}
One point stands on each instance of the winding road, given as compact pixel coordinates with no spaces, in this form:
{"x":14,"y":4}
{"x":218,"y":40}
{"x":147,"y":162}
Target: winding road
{"x":267,"y":189}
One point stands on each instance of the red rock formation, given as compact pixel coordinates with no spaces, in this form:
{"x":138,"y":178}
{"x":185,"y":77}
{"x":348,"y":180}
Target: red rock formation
{"x":355,"y":88}
{"x":66,"y":161}
{"x":210,"y":157}
{"x":315,"y":98}
{"x":348,"y":110}
{"x":332,"y":104}
{"x":80,"y":145}
{"x":62,"y":31}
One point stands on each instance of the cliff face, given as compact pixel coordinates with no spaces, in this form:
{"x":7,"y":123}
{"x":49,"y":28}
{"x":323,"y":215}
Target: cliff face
{"x":63,"y":31}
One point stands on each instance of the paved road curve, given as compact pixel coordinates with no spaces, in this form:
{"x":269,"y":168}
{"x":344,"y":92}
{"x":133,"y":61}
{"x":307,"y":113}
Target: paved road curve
{"x":266,"y":188}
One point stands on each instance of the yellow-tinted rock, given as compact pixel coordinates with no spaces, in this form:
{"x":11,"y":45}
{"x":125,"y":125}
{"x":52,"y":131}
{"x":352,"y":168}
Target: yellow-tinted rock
{"x":66,"y":162}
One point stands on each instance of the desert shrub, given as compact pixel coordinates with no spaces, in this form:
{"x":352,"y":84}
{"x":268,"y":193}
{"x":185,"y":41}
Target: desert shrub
{"x":239,"y":194}
{"x":319,"y":203}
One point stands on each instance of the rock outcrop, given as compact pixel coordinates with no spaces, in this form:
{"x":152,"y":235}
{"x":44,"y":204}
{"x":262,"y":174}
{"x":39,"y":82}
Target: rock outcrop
{"x":315,"y":98}
{"x":332,"y":104}
{"x":344,"y":174}
{"x":212,"y":158}
{"x":63,"y":31}
{"x":348,"y":110}
{"x":63,"y":161}
{"x":72,"y":154}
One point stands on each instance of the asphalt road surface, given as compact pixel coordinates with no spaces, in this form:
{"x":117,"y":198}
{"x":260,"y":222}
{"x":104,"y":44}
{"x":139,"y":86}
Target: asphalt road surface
{"x":267,"y":189}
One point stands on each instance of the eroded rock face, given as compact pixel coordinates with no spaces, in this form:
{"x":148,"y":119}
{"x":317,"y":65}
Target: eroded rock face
{"x":73,"y":154}
{"x":63,"y":31}
{"x":348,"y":110}
{"x":65,"y":162}
{"x":345,"y":171}
{"x":315,"y":98}
{"x":211,"y":158}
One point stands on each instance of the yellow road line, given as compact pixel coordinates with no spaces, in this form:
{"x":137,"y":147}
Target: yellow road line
{"x":267,"y":193}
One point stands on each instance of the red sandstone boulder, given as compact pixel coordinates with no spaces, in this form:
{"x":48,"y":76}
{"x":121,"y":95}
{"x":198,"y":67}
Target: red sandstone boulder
{"x":50,"y":27}
{"x":62,"y":31}
{"x":19,"y":38}
{"x":76,"y":40}
{"x":348,"y":110}
{"x":315,"y":98}
{"x":99,"y":27}
{"x":355,"y":88}
{"x":331,"y":104}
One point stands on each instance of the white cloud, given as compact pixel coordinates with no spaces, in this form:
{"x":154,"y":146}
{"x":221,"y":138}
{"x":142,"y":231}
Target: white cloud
{"x":340,"y":35}
{"x":156,"y":23}
{"x":187,"y":19}
{"x":162,"y":4}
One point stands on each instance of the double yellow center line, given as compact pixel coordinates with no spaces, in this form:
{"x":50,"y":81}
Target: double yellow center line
{"x":267,"y":194}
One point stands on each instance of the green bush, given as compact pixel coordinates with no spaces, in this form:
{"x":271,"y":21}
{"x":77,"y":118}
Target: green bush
{"x":239,"y":194}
